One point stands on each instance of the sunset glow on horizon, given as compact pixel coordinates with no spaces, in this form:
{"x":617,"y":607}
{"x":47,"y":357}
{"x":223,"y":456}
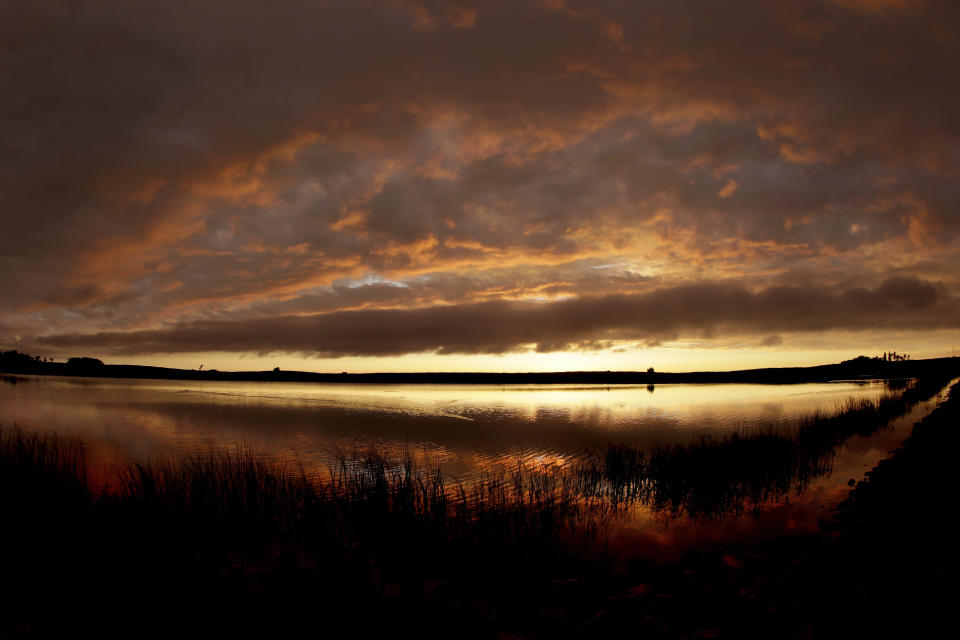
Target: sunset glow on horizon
{"x":480,"y":185}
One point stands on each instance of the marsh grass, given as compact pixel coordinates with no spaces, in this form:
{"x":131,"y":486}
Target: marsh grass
{"x":40,"y":461}
{"x":235,"y":525}
{"x":228,"y":526}
{"x":714,"y":477}
{"x":238,"y":497}
{"x":43,"y":481}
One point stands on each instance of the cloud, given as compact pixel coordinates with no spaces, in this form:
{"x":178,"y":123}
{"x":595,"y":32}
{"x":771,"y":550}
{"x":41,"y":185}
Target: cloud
{"x":168,"y":162}
{"x":877,"y":5}
{"x":728,"y":189}
{"x":579,"y":323}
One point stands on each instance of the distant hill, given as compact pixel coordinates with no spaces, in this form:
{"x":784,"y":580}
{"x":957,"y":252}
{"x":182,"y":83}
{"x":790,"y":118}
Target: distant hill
{"x":858,"y":368}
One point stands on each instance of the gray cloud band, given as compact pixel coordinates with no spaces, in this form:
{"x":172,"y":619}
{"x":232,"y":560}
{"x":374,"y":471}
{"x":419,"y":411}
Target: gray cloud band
{"x":500,"y":327}
{"x":167,"y":159}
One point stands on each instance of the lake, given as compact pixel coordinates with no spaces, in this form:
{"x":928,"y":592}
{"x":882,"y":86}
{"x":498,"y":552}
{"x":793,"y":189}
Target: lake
{"x":466,"y":429}
{"x":470,"y":426}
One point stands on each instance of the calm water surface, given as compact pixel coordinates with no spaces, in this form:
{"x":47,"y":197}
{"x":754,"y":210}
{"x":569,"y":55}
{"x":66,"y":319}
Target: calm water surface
{"x":464,"y":428}
{"x":470,"y":426}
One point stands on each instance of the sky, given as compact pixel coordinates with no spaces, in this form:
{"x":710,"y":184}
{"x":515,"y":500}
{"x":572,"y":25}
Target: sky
{"x":404,"y":185}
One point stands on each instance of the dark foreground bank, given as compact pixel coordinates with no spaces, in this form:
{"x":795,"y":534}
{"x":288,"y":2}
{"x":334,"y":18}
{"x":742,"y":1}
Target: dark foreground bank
{"x":232,"y":544}
{"x":884,"y":566}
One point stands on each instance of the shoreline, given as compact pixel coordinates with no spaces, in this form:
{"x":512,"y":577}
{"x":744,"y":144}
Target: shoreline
{"x":856,"y":369}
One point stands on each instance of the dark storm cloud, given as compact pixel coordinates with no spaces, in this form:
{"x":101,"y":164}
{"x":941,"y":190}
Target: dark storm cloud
{"x":167,"y":161}
{"x":588,"y":322}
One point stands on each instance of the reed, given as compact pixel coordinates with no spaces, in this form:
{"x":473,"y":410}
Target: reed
{"x":235,"y":521}
{"x":714,"y":477}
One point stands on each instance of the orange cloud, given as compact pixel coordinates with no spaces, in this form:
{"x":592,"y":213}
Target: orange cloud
{"x":484,"y":149}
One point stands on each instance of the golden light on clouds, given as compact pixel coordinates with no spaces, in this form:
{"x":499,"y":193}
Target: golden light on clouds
{"x":345,"y":185}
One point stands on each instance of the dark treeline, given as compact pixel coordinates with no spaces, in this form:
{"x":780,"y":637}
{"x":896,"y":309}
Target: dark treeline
{"x":233,"y":543}
{"x":860,"y":367}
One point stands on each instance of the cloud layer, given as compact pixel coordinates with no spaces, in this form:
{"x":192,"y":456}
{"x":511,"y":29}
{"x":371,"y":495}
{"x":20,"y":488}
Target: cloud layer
{"x":176,"y":172}
{"x":575,"y":324}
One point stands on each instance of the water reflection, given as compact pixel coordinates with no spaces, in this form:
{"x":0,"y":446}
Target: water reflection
{"x":714,"y":477}
{"x":674,"y":458}
{"x":473,"y":425}
{"x":696,"y":496}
